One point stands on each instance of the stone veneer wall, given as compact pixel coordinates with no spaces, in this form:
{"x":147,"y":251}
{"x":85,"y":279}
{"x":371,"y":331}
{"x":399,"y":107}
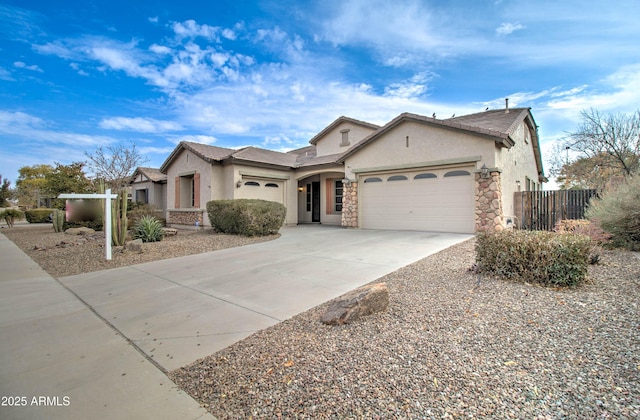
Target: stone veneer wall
{"x":185,"y":217}
{"x":489,"y":216}
{"x":350,"y":205}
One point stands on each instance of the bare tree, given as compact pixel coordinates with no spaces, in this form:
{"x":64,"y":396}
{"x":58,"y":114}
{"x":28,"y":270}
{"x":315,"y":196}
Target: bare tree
{"x":115,"y":164}
{"x":614,"y":135}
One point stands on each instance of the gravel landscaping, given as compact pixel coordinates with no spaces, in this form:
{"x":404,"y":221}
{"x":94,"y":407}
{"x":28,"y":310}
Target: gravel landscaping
{"x":60,"y":254}
{"x":450,"y":345}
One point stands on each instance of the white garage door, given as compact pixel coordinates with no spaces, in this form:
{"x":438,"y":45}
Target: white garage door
{"x":431,"y":200}
{"x":269,"y":190}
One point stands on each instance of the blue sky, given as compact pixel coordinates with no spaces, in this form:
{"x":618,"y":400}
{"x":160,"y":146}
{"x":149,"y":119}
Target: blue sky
{"x":272,"y":74}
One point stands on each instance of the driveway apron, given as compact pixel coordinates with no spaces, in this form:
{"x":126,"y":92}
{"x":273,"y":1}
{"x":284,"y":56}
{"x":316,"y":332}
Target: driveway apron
{"x":179,"y":310}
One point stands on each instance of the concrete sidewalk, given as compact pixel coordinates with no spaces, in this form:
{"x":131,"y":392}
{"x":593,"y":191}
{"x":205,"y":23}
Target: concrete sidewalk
{"x":179,"y":310}
{"x":58,"y":360}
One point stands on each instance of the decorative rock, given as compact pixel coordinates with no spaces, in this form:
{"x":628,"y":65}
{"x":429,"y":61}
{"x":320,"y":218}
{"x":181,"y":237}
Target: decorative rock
{"x":170,"y":231}
{"x":80,"y":231}
{"x":135,"y":246}
{"x":360,"y":302}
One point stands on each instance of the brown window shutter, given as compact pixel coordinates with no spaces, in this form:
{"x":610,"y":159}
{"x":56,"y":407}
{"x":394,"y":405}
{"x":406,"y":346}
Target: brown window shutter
{"x":329,"y":195}
{"x":196,"y":190}
{"x":177,"y":199}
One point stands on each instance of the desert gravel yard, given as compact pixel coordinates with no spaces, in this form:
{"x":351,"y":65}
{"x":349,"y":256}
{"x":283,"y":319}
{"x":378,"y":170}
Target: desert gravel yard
{"x":450,"y":345}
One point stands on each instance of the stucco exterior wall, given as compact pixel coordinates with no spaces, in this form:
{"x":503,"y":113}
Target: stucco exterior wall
{"x":332,"y":142}
{"x":426,"y":145}
{"x":187,"y":163}
{"x":516,"y":164}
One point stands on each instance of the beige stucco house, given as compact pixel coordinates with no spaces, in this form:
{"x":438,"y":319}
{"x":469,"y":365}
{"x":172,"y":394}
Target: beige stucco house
{"x":148,"y":186}
{"x":414,"y":173}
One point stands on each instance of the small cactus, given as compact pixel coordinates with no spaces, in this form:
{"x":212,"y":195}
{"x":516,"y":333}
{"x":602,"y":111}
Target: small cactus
{"x":58,"y":217}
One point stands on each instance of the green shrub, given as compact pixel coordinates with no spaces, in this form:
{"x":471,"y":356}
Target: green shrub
{"x":618,"y":212}
{"x":149,"y":229}
{"x":548,"y":258}
{"x":93,"y":224}
{"x":140,"y":210}
{"x":10,"y":216}
{"x":246,"y":217}
{"x":41,"y":215}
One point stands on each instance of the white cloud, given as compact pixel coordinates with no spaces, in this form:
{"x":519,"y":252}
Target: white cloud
{"x":160,"y":49}
{"x":191,"y":29}
{"x":153,"y":19}
{"x":141,"y":125}
{"x":21,"y":65}
{"x":6,"y":75}
{"x":508,"y":28}
{"x":23,"y":126}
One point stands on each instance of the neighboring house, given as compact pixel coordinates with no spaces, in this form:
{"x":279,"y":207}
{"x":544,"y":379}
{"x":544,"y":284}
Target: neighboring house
{"x":148,"y":186}
{"x":414,"y":173}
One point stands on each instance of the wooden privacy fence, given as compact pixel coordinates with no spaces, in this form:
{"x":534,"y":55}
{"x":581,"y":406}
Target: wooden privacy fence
{"x":541,"y":210}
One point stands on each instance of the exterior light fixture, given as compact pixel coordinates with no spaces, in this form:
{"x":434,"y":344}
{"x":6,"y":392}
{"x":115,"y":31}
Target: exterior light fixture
{"x":484,"y":171}
{"x":300,"y":188}
{"x":239,"y":183}
{"x":518,"y":184}
{"x":346,"y":182}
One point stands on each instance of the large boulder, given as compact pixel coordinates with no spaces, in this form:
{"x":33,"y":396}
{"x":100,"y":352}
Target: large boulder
{"x":135,"y":246}
{"x":80,"y":231}
{"x":365,"y":300}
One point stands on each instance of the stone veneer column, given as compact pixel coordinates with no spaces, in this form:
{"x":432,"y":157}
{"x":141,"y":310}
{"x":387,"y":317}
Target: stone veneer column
{"x":350,"y":205}
{"x":489,"y":216}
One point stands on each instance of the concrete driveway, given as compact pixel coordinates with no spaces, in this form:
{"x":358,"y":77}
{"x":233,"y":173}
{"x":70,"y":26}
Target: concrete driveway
{"x":179,"y":310}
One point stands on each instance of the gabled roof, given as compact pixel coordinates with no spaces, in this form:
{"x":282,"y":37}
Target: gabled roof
{"x":204,"y":151}
{"x":257,"y":155}
{"x":496,"y":125}
{"x":495,"y":120}
{"x":339,"y":121}
{"x":153,"y":174}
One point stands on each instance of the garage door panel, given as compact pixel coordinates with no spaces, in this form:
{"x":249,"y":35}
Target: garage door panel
{"x":428,"y":202}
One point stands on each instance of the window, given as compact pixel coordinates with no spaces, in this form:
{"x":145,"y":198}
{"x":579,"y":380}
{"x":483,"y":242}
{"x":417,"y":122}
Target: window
{"x":252,"y":184}
{"x":338,"y":192}
{"x":397,"y":178}
{"x":426,"y":175}
{"x":142,"y":196}
{"x":271,"y":185}
{"x":186,"y":191}
{"x":373,"y":179}
{"x":308,"y":197}
{"x":345,"y":137}
{"x":456,"y":173}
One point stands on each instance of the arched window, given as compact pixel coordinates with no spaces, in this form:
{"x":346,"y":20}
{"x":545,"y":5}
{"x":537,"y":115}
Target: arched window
{"x":397,"y":178}
{"x":456,"y":173}
{"x":271,"y":185}
{"x":426,"y":175}
{"x":372,"y":179}
{"x":252,"y":184}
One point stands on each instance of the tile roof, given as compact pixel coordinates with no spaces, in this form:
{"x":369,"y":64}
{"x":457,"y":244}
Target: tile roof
{"x":153,"y":174}
{"x":337,"y":122}
{"x":255,"y":154}
{"x":494,"y":124}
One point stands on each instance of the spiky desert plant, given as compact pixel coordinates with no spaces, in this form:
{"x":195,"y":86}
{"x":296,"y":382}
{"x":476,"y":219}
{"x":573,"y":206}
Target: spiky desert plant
{"x":119,"y":221}
{"x":58,"y":220}
{"x":149,"y":229}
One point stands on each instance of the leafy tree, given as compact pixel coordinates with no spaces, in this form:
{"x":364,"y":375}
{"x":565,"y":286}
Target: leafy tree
{"x":115,"y":164}
{"x":5,"y":192}
{"x":588,"y":172}
{"x":67,"y":179}
{"x":31,"y":184}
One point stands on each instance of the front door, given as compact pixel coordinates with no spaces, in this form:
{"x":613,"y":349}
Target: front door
{"x":315,"y":202}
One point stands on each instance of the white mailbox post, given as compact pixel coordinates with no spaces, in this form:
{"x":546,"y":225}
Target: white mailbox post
{"x":107,"y":196}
